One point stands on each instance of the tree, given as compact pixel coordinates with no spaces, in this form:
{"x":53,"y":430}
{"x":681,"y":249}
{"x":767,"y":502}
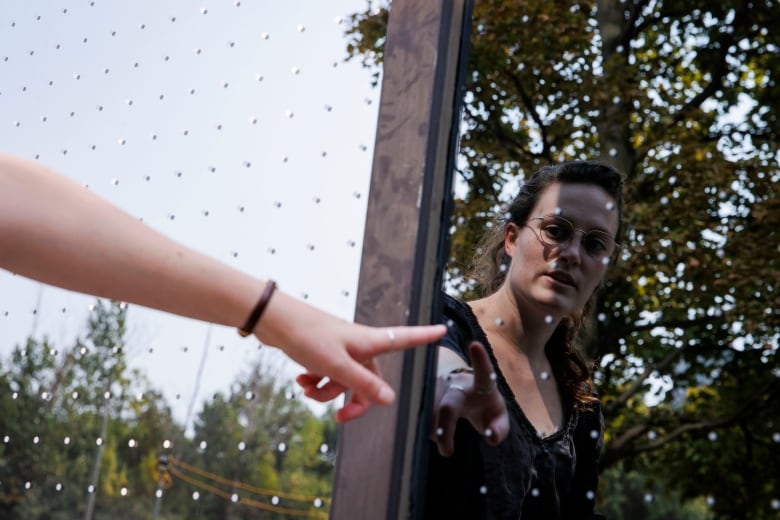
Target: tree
{"x":73,"y":419}
{"x":259,"y":453}
{"x":683,"y":98}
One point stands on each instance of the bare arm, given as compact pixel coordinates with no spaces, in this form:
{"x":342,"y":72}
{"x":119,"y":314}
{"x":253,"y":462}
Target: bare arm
{"x":60,"y":233}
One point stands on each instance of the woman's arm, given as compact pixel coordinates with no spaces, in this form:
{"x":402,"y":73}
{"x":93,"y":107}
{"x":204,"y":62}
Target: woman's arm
{"x":60,"y":233}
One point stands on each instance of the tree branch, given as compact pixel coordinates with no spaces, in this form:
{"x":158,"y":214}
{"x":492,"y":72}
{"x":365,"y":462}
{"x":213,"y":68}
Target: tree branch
{"x":637,"y":383}
{"x":619,"y":449}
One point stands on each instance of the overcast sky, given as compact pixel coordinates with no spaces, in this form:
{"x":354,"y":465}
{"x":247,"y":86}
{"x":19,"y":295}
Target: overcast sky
{"x":233,"y":127}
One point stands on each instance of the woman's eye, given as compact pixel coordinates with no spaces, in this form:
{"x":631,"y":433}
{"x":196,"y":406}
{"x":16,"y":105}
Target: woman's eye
{"x":595,"y":244}
{"x":555,"y":232}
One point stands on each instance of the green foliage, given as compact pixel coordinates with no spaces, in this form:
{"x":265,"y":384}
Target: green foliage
{"x":65,"y":414}
{"x":682,"y":97}
{"x":630,"y":495}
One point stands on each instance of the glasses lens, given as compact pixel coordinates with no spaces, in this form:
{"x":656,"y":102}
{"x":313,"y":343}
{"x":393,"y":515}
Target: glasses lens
{"x":555,"y":231}
{"x":558,"y":232}
{"x":598,"y":244}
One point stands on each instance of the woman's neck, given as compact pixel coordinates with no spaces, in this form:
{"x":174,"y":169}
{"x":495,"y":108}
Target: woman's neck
{"x":500,"y":316}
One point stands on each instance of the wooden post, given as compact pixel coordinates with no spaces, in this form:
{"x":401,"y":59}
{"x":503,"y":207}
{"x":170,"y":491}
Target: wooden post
{"x":404,"y":251}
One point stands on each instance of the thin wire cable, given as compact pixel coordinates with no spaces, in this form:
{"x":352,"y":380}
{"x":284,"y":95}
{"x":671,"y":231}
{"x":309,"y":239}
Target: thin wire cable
{"x":243,"y":500}
{"x":256,"y":490}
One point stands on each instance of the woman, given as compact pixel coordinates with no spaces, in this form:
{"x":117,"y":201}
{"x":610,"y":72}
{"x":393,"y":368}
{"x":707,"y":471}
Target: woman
{"x":529,"y":443}
{"x":57,"y":232}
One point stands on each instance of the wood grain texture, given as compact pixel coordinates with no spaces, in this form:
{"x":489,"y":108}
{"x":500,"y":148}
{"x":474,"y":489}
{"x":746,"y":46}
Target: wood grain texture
{"x":400,"y":272}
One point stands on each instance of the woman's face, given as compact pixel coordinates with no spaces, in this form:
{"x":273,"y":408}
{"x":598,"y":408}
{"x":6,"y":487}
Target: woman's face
{"x":557,"y":263}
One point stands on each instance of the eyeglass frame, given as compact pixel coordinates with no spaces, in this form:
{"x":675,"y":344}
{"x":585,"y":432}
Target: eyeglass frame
{"x":574,"y":229}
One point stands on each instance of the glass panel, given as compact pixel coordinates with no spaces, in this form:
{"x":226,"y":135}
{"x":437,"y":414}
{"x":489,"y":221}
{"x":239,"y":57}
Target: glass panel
{"x":236,"y":128}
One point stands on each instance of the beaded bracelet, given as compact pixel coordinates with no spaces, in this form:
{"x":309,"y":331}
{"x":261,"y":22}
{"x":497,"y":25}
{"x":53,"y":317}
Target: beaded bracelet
{"x":257,"y":312}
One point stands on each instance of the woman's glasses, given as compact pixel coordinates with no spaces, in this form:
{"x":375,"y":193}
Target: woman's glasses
{"x":555,"y":231}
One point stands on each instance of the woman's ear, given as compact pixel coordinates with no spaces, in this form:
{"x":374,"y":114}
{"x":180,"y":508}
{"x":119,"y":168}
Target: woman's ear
{"x":511,"y":233}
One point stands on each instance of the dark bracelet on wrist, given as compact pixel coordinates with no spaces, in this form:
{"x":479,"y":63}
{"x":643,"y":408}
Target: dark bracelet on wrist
{"x":257,"y":312}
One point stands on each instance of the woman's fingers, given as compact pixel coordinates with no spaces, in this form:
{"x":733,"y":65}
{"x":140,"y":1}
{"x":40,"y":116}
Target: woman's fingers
{"x":446,"y":416}
{"x":484,"y":375}
{"x":360,"y":373}
{"x":388,"y":339}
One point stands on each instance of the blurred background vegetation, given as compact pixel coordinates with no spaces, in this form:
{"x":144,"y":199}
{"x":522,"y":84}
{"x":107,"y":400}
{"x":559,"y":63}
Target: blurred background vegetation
{"x":85,"y":437}
{"x":682,"y":97}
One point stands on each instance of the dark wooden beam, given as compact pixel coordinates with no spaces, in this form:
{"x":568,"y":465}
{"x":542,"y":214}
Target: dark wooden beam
{"x":405,"y":248}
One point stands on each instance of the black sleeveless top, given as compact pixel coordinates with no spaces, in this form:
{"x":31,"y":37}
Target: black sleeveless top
{"x":525,"y":477}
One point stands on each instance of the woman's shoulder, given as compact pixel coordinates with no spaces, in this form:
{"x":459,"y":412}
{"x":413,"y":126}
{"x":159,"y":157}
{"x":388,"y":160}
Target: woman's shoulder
{"x":458,"y":314}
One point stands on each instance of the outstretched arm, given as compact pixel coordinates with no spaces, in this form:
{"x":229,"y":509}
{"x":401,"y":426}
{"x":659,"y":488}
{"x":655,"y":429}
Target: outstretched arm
{"x":60,"y":233}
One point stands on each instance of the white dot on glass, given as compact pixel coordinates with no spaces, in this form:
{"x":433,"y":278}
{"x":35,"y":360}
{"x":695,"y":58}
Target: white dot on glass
{"x":241,"y":446}
{"x":594,"y":434}
{"x":301,"y":28}
{"x":605,"y":260}
{"x":66,"y":441}
{"x":58,"y":487}
{"x":234,"y":497}
{"x":610,"y":206}
{"x":483,"y":490}
{"x":317,"y":502}
{"x":282,"y":447}
{"x":710,"y":500}
{"x":558,"y":211}
{"x":265,"y":36}
{"x":545,"y":375}
{"x":203,"y":445}
{"x":203,"y":10}
{"x":158,"y":493}
{"x":166,"y":444}
{"x":548,"y":319}
{"x":499,"y":322}
{"x":648,"y":497}
{"x":590,"y":495}
{"x":535,"y":492}
{"x":36,"y":439}
{"x":713,"y":436}
{"x":195,"y":495}
{"x":131,"y":443}
{"x":275,"y":500}
{"x":90,"y":489}
{"x":776,"y":436}
{"x":295,"y":70}
{"x":775,"y":503}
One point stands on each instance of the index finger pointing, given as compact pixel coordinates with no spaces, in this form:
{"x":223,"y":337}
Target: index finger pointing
{"x":484,"y":374}
{"x":399,"y":338}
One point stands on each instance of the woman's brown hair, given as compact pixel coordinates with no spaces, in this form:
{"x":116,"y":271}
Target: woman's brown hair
{"x":491,"y":262}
